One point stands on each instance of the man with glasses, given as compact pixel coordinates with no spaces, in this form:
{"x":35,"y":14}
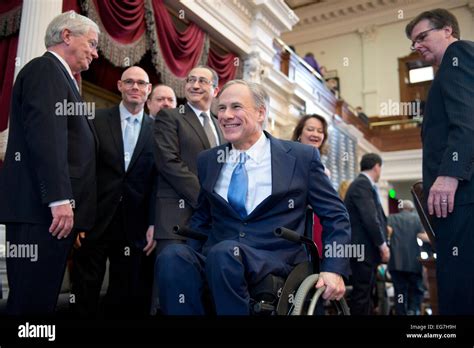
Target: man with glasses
{"x":448,"y":154}
{"x":124,"y":229}
{"x":181,"y":134}
{"x":47,"y":183}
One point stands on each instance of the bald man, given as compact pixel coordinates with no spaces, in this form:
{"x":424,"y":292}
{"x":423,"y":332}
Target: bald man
{"x":123,"y":233}
{"x":161,"y":97}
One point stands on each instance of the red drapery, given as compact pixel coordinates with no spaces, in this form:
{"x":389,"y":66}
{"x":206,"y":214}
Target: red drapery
{"x":71,"y":5}
{"x":8,"y":47}
{"x":123,"y":39}
{"x":175,"y":53}
{"x":10,"y":12}
{"x":225,"y":65}
{"x":181,"y":51}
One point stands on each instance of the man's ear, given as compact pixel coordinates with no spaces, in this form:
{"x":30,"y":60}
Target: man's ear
{"x":216,"y":91}
{"x":66,"y":36}
{"x":448,"y":30}
{"x":119,"y":85}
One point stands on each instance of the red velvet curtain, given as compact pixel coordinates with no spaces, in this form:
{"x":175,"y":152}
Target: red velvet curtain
{"x":124,"y":21}
{"x":10,"y":12}
{"x":71,"y":5}
{"x":225,"y":65}
{"x":181,"y":51}
{"x":8,"y":48}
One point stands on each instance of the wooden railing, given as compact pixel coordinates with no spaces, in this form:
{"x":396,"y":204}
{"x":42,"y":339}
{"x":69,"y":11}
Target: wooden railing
{"x":391,"y":133}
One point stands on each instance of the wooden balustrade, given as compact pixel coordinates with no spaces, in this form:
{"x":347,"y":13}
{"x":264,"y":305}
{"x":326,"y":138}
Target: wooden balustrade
{"x":391,"y":133}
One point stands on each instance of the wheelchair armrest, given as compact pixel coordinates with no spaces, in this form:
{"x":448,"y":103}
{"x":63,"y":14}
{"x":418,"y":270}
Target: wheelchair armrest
{"x":188,"y":232}
{"x":295,"y":237}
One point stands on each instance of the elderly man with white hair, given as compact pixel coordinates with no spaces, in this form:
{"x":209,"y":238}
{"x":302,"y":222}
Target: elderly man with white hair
{"x":404,"y":267}
{"x":48,"y":180}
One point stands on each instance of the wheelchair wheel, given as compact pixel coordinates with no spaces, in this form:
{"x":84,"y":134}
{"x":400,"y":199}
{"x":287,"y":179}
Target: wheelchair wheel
{"x":307,"y":297}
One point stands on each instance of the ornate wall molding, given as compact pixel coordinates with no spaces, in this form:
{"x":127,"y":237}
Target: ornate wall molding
{"x":339,"y":17}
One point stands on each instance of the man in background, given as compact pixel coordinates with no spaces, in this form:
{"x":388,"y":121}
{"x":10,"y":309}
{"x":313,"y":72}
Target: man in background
{"x":404,"y":266}
{"x":369,"y":228}
{"x":47,"y":183}
{"x":161,"y":97}
{"x":124,"y":230}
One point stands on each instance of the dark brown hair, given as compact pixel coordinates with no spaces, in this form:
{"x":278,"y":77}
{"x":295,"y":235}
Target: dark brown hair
{"x":438,"y":18}
{"x":301,"y":123}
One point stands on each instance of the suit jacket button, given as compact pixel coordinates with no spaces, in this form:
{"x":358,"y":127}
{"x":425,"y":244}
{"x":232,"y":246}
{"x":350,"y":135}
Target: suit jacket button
{"x":242,"y":234}
{"x":121,"y":198}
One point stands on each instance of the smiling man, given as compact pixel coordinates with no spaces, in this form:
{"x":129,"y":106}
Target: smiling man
{"x":47,"y":184}
{"x":448,"y":154}
{"x":241,"y":203}
{"x":123,"y":232}
{"x":181,"y":134}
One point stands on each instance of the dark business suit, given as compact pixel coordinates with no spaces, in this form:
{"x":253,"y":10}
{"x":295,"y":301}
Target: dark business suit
{"x":298,"y":179}
{"x":50,"y":157}
{"x":369,"y":226}
{"x":125,"y":210}
{"x":448,"y":150}
{"x":180,"y":138}
{"x":404,"y":265}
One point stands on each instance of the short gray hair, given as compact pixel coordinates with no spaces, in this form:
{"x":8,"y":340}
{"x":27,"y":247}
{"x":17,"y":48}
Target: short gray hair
{"x":215,"y":77}
{"x":407,"y":205}
{"x":76,"y":23}
{"x":260,"y":96}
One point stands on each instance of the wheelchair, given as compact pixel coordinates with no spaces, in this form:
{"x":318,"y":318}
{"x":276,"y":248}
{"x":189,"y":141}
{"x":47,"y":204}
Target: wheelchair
{"x":295,"y":295}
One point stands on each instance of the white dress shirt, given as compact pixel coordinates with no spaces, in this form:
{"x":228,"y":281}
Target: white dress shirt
{"x":66,"y":65}
{"x":201,"y":120}
{"x":259,"y":171}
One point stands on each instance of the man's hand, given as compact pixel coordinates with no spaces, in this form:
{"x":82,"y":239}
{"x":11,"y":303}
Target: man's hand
{"x":384,"y":252}
{"x":77,"y":242}
{"x":334,"y":283}
{"x":151,"y":243}
{"x":441,"y":197}
{"x":63,"y":220}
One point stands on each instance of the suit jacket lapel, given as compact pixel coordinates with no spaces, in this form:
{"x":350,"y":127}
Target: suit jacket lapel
{"x":191,"y":118}
{"x":142,"y":139}
{"x":218,"y":129}
{"x":116,"y":131}
{"x":76,"y":93}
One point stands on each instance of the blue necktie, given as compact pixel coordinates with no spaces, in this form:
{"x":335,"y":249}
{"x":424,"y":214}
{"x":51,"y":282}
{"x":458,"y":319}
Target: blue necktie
{"x":129,"y":139}
{"x":237,"y":194}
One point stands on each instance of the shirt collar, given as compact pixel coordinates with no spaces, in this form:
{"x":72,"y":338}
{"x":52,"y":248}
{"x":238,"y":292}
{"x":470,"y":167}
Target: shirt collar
{"x":124,"y":113}
{"x":368,"y":177}
{"x":257,"y":151}
{"x":63,"y":62}
{"x":198,"y":111}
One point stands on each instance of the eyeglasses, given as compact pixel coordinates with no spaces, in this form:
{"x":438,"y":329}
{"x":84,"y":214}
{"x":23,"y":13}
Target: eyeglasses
{"x":420,"y":38}
{"x":201,"y":80}
{"x":129,"y":83}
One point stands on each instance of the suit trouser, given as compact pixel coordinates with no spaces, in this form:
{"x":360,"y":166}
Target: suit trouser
{"x":227,"y":270}
{"x":408,"y":292}
{"x":35,"y":284}
{"x":363,"y":281}
{"x":455,"y":261}
{"x":130,"y":274}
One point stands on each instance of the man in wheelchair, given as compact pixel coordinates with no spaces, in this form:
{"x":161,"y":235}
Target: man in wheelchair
{"x":249,"y":187}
